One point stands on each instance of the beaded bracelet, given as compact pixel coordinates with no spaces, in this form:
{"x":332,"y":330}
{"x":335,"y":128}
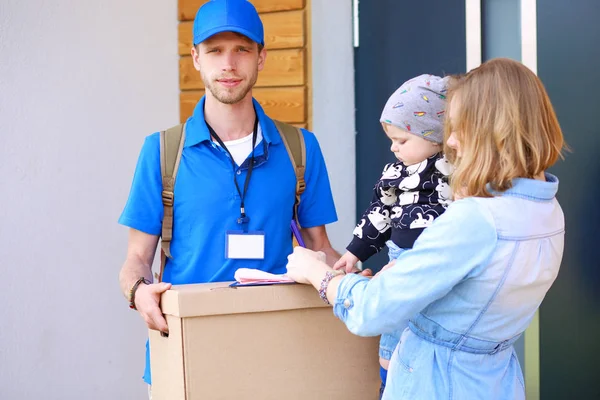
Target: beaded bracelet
{"x":329,"y":275}
{"x":134,"y":288}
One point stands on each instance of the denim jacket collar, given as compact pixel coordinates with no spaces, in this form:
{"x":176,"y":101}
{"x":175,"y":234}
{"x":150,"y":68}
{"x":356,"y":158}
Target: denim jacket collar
{"x":532,"y":188}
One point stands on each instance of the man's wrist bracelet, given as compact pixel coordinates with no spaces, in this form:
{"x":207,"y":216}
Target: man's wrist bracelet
{"x":134,"y":288}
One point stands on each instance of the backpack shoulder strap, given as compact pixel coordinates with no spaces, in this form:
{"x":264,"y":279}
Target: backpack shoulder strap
{"x":171,"y":147}
{"x":294,"y":143}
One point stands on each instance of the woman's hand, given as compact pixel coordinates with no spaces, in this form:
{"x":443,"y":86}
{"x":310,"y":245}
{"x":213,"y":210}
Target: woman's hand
{"x":302,"y":261}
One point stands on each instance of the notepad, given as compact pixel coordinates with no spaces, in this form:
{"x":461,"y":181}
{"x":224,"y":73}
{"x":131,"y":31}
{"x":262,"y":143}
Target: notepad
{"x":248,"y":276}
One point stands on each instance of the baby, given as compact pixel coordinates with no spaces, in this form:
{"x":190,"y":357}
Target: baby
{"x":412,"y":192}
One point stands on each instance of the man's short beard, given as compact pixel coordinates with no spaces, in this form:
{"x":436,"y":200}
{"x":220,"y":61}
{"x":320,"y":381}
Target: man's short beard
{"x":225,"y":97}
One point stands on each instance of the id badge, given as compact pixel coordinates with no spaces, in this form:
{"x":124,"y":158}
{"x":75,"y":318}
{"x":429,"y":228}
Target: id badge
{"x":245,"y":245}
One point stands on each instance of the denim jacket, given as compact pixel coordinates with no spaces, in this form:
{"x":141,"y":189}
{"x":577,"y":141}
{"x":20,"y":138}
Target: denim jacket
{"x":470,"y":286}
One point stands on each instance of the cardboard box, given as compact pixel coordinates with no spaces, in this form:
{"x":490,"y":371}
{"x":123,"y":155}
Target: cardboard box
{"x":264,"y":342}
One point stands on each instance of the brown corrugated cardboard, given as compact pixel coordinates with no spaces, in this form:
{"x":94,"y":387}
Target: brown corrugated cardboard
{"x":260,"y":343}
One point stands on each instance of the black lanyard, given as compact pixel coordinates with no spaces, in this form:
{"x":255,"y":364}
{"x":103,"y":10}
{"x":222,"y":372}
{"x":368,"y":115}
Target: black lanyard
{"x":243,"y":218}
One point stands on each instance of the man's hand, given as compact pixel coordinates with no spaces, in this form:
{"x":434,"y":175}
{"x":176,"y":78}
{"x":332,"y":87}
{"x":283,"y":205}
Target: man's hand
{"x":367,"y":272}
{"x":388,"y":265}
{"x":147,"y":299}
{"x":347,"y":263}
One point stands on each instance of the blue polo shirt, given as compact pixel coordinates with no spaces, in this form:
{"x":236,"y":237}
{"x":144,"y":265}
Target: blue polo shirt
{"x":207,"y":204}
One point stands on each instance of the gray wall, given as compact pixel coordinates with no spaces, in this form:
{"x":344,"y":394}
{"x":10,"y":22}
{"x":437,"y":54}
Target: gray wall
{"x":81,"y":84}
{"x":333,"y":107}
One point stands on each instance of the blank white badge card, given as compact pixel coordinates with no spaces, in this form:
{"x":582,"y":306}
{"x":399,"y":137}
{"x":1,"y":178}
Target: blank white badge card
{"x":245,"y":245}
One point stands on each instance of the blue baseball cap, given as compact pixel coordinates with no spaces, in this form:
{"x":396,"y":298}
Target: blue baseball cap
{"x":218,"y":16}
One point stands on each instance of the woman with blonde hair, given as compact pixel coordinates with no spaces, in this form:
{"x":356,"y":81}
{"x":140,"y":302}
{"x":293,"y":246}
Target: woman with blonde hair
{"x":475,"y":278}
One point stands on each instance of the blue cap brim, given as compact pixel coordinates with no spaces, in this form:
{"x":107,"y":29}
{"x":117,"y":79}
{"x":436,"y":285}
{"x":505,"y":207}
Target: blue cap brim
{"x":227,"y":28}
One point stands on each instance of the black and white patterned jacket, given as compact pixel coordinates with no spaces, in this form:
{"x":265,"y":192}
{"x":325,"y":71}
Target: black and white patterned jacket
{"x":405,"y":201}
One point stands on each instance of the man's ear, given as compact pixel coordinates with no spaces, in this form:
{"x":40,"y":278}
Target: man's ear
{"x":262,"y":57}
{"x":195,"y":53}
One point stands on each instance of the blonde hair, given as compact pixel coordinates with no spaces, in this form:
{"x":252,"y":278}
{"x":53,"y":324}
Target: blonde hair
{"x":506,"y":127}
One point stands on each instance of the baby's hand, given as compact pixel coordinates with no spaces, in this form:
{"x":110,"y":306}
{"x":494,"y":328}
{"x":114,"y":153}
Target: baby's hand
{"x":347,"y":262}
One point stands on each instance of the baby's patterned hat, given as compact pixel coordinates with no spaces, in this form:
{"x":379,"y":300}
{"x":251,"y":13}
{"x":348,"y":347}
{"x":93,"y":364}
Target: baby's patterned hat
{"x":418,"y":107}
